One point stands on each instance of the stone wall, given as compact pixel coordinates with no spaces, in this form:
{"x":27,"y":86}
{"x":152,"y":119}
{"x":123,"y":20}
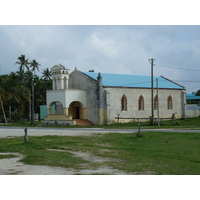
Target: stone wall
{"x":104,"y":103}
{"x":114,"y":96}
{"x":192,"y":110}
{"x":78,"y":80}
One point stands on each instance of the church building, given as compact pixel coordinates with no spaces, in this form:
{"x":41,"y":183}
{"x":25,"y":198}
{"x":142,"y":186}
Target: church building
{"x":101,"y":97}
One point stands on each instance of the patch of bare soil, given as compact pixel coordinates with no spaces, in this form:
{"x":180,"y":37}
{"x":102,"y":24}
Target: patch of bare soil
{"x":13,"y":166}
{"x":100,"y":168}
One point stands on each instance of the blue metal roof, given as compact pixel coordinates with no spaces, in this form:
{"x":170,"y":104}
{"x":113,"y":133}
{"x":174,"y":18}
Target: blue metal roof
{"x":137,"y":81}
{"x":192,"y":97}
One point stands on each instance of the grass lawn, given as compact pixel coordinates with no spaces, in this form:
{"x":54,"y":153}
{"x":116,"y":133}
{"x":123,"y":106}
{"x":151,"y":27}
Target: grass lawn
{"x":153,"y":153}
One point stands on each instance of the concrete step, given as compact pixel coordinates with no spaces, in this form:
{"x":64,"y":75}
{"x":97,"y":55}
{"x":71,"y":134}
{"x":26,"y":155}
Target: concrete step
{"x":83,"y":122}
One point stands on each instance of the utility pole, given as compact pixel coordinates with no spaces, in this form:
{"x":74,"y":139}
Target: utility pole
{"x":158,"y":104}
{"x":32,"y":102}
{"x":152,"y":61}
{"x":30,"y":111}
{"x":3,"y":110}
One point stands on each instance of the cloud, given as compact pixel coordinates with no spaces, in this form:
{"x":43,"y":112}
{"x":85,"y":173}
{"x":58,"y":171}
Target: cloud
{"x":108,"y":49}
{"x":103,"y":45}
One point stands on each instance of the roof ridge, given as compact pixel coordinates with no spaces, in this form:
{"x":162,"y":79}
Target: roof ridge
{"x":120,"y":74}
{"x":132,"y":80}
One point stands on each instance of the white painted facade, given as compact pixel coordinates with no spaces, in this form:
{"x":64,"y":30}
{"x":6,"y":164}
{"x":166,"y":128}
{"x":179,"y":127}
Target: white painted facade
{"x":60,"y":77}
{"x":66,"y":97}
{"x":66,"y":101}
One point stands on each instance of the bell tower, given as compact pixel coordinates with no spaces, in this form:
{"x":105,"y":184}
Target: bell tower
{"x":60,"y":77}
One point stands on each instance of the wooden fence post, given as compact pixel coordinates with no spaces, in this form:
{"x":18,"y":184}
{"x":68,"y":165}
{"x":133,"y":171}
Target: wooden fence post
{"x":139,"y":133}
{"x":26,"y":135}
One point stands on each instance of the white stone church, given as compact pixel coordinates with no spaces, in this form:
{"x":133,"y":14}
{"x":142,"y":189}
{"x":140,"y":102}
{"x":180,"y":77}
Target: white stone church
{"x":101,"y":97}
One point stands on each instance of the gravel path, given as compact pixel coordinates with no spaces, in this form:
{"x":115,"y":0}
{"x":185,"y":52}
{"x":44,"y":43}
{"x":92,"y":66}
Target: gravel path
{"x":15,"y":132}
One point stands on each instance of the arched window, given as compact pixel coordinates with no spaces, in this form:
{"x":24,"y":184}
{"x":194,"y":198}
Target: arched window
{"x":155,"y":102}
{"x":141,"y":103}
{"x":124,"y":103}
{"x":169,"y":103}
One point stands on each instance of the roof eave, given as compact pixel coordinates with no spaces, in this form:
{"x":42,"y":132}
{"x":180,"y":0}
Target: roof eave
{"x":173,"y":82}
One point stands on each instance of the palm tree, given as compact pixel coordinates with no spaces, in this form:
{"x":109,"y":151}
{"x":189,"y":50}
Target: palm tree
{"x":13,"y":93}
{"x":28,"y":79}
{"x":46,"y":74}
{"x":40,"y":93}
{"x":47,"y":79}
{"x":35,"y":65}
{"x":23,"y":62}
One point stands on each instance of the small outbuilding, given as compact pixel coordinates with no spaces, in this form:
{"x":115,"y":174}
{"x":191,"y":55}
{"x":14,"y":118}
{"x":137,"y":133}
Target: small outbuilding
{"x":193,"y":105}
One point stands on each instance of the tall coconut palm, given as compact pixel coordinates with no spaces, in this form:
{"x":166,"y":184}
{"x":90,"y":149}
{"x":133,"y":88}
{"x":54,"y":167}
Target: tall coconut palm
{"x":46,"y":74}
{"x":40,"y":93}
{"x":23,"y":62}
{"x":35,"y":65}
{"x":28,"y":79}
{"x":47,"y":78}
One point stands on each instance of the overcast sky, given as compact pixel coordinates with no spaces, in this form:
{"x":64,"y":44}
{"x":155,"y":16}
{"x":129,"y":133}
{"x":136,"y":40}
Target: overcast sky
{"x":107,"y":49}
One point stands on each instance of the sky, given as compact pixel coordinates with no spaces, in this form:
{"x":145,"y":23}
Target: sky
{"x":122,"y":49}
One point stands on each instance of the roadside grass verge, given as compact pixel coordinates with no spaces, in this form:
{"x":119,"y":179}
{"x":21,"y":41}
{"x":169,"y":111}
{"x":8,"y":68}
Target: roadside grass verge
{"x":180,"y":123}
{"x":153,"y":153}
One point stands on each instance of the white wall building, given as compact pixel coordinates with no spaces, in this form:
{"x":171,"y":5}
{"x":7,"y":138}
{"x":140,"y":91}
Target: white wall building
{"x":101,"y":97}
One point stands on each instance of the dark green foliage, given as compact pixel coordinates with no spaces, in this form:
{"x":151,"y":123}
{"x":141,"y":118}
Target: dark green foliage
{"x":16,"y":89}
{"x":197,"y":93}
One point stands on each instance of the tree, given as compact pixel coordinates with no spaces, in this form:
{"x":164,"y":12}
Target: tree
{"x":35,"y":65}
{"x":27,"y":79}
{"x":16,"y":87}
{"x":14,"y":94}
{"x":23,"y":62}
{"x":197,"y":93}
{"x":40,"y":93}
{"x":46,"y":74}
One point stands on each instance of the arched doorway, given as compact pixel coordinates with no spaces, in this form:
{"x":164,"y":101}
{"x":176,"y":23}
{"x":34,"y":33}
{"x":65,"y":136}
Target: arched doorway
{"x":76,"y":110}
{"x":56,"y":108}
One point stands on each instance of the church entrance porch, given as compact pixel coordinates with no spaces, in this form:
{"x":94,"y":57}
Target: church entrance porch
{"x":56,"y":108}
{"x":65,"y":106}
{"x":57,"y":114}
{"x":83,"y":122}
{"x":77,"y":111}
